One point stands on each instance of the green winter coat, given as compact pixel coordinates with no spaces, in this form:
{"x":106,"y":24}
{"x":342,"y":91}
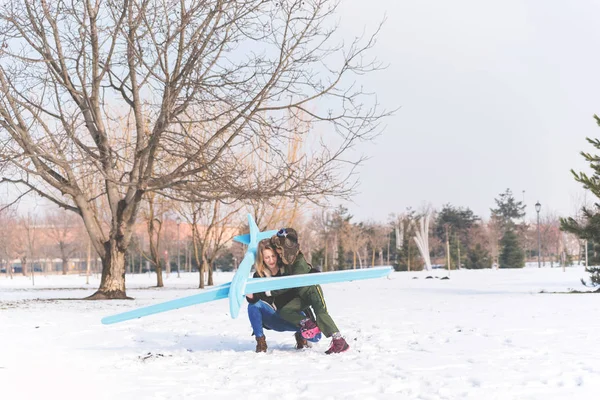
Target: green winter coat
{"x":307,"y":296}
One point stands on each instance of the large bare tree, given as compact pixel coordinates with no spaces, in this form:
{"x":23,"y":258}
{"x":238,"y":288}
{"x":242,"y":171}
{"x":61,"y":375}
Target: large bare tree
{"x":165,"y":95}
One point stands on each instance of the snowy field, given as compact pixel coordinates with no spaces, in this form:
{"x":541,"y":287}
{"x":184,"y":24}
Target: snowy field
{"x":480,"y":335}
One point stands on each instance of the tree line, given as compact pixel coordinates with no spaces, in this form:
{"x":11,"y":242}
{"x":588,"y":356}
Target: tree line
{"x":172,"y":236}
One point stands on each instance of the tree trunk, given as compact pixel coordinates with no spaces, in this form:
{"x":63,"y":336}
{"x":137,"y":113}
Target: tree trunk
{"x":373,"y":257}
{"x":197,"y":257}
{"x":88,"y":263}
{"x":155,"y":259}
{"x":154,"y":229}
{"x":210,"y":273}
{"x":334,"y":253}
{"x":112,"y":285}
{"x":205,"y":267}
{"x":159,"y":277}
{"x":168,"y":262}
{"x":325,"y":269}
{"x":186,"y":253}
{"x":408,"y":255}
{"x":65,"y":266}
{"x":201,"y":271}
{"x":24,"y":266}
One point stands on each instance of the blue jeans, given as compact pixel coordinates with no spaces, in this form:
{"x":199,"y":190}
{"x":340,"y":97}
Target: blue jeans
{"x":261,"y":313}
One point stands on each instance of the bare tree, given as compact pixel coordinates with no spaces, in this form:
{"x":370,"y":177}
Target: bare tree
{"x":377,"y":237}
{"x":62,"y":228}
{"x":494,"y":233}
{"x":153,"y":214}
{"x":29,"y":242}
{"x":155,"y":225}
{"x":550,"y":237}
{"x":7,"y":239}
{"x":278,"y":211}
{"x":219,"y":231}
{"x":213,"y":225}
{"x":200,"y":85}
{"x":20,"y":241}
{"x":407,"y":253}
{"x":356,"y":238}
{"x":321,"y":224}
{"x":310,"y":238}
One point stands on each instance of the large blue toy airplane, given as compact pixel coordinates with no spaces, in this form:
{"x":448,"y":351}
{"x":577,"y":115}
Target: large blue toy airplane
{"x":241,"y":285}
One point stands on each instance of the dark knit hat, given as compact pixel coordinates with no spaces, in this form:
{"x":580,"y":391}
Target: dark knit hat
{"x":286,"y":243}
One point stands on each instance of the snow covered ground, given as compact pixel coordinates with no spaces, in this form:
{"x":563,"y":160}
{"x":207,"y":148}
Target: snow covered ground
{"x":480,"y":335}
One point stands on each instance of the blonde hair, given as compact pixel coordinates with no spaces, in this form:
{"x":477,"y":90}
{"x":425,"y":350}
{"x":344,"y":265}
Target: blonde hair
{"x":264,"y":244}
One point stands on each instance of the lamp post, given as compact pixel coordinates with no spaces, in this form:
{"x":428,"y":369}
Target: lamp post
{"x":178,"y":247}
{"x":538,"y":207}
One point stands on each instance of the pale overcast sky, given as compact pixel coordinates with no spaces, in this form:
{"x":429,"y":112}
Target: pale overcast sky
{"x":493,"y":95}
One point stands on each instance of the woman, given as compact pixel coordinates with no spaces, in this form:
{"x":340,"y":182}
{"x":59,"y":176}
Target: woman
{"x":262,"y":310}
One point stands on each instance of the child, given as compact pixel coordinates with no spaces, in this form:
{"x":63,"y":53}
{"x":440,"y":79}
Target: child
{"x":286,"y":244}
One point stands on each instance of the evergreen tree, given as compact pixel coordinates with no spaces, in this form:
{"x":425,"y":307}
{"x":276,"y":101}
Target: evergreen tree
{"x":458,"y":218}
{"x":508,"y":210}
{"x":478,"y":258}
{"x":339,"y":225}
{"x":588,"y":226}
{"x":318,"y":257}
{"x":407,"y":255}
{"x":225,"y":261}
{"x":341,"y":256}
{"x":511,"y":255}
{"x":458,"y":222}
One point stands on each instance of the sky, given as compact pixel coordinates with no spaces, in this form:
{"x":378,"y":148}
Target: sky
{"x":491,"y":95}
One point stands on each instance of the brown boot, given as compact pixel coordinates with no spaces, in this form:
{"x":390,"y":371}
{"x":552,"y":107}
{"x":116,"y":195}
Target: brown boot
{"x":301,"y":343}
{"x":261,"y":344}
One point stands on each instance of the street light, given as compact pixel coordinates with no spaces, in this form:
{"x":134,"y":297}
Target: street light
{"x":178,"y":246}
{"x":538,"y":207}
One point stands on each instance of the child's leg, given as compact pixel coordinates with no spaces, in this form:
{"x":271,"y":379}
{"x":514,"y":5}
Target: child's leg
{"x":313,"y":296}
{"x":291,"y":311}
